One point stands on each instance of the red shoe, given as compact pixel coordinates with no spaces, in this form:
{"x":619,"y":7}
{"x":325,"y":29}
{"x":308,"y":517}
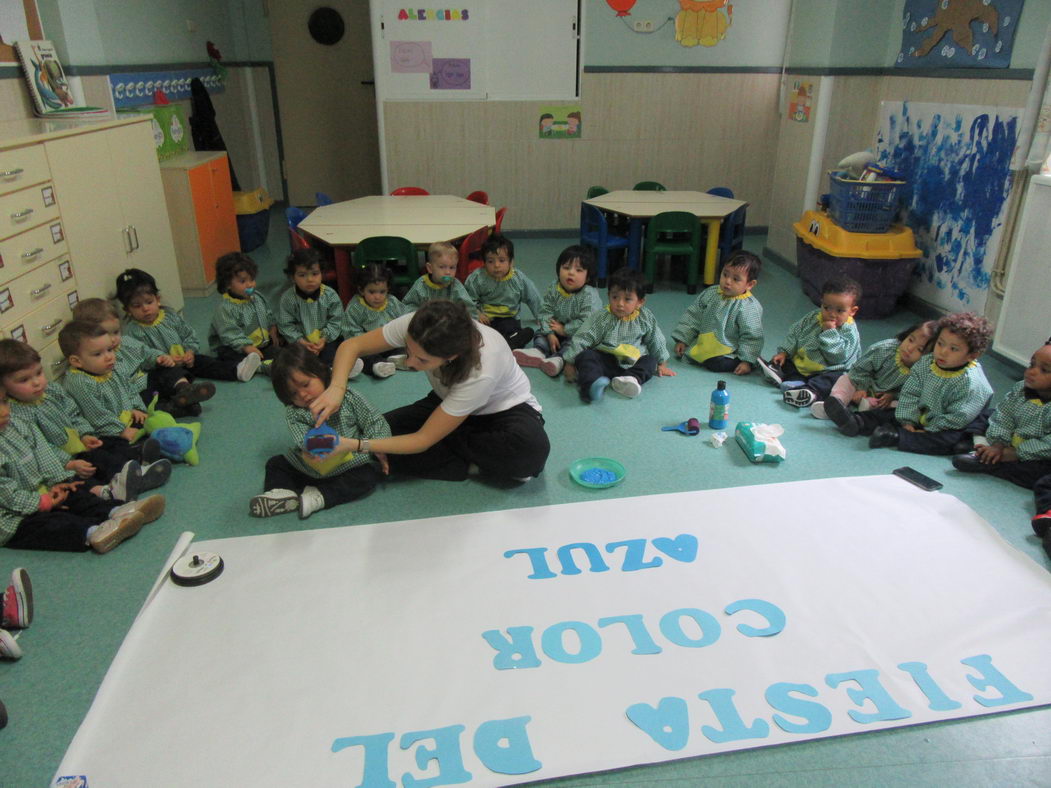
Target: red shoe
{"x":17,"y":601}
{"x":1041,"y":524}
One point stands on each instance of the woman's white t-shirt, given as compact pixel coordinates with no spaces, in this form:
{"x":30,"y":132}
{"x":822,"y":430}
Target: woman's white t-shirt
{"x":494,"y":386}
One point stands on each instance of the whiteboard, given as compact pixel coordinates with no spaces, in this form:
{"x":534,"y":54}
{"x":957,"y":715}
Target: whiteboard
{"x":495,"y":50}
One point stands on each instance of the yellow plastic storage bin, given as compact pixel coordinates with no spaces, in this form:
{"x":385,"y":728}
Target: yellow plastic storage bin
{"x":253,"y":217}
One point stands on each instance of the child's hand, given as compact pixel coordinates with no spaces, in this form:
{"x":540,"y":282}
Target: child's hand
{"x":252,"y":349}
{"x":165,"y":361}
{"x":381,"y":458}
{"x":187,"y":358}
{"x":313,"y":460}
{"x":556,"y":327}
{"x":569,"y":372}
{"x":885,"y":399}
{"x":744,"y":368}
{"x":553,"y":342}
{"x":57,"y":496}
{"x":138,"y":417}
{"x":275,"y":337}
{"x":828,"y":324}
{"x":680,"y":348}
{"x":779,"y":359}
{"x":90,"y":441}
{"x":82,"y":468}
{"x":483,"y":318}
{"x":913,"y":428}
{"x":991,"y":454}
{"x":320,"y":345}
{"x":664,"y":371}
{"x":858,"y":395}
{"x":129,"y":433}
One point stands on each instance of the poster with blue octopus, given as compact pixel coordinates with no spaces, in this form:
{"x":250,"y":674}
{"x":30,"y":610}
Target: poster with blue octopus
{"x":956,"y":161}
{"x":958,"y":33}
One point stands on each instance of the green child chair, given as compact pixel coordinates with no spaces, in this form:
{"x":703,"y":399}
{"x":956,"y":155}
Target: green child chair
{"x":675,"y":233}
{"x":648,"y":186}
{"x":394,"y":251}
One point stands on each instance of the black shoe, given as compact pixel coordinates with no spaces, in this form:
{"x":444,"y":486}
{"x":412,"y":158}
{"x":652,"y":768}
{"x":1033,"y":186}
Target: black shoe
{"x":968,"y":463}
{"x":1047,"y":544}
{"x":146,"y":452}
{"x":845,"y":421}
{"x":1042,"y":525}
{"x":884,"y":435}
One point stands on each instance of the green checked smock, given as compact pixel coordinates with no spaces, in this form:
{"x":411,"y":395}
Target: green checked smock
{"x":133,"y":358}
{"x":815,"y":350}
{"x":939,"y":399}
{"x":424,"y":290}
{"x":57,"y":417}
{"x":313,"y":318}
{"x":569,"y":309}
{"x":240,"y":322}
{"x":880,"y":368}
{"x":627,"y":339}
{"x":1022,"y":420}
{"x":29,"y":466}
{"x":504,"y":297}
{"x":356,"y":418}
{"x":717,"y":325}
{"x":105,"y":400}
{"x":169,"y":334}
{"x":360,"y":318}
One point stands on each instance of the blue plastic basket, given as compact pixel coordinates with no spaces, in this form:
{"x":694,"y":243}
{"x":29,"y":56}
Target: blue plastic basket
{"x":863,"y":206}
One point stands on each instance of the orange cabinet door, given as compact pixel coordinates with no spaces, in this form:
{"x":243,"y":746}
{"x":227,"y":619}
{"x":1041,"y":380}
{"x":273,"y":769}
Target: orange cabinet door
{"x":213,"y":205}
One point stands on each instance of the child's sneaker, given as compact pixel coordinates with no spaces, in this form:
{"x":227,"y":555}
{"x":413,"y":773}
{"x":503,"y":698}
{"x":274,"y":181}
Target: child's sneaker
{"x":124,"y":522}
{"x":845,"y":421}
{"x":126,"y":483}
{"x":187,"y":394}
{"x":552,"y":366}
{"x":799,"y":397}
{"x":383,"y":369}
{"x":155,"y":474}
{"x":529,"y":357}
{"x":17,"y":610}
{"x":817,"y":410}
{"x":356,"y":369}
{"x":771,"y":372}
{"x":148,"y":451}
{"x":8,"y":647}
{"x":626,"y":386}
{"x":398,"y":360}
{"x":248,"y":366}
{"x":788,"y":385}
{"x":1042,"y":524}
{"x":598,"y":389}
{"x":310,"y":501}
{"x":273,"y":502}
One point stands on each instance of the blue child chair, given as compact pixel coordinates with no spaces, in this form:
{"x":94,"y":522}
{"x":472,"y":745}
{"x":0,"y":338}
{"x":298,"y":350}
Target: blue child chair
{"x":594,"y":232}
{"x":322,"y":199}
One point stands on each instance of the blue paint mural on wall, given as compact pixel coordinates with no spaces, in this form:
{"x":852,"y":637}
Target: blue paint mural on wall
{"x":956,"y":160}
{"x":958,"y":33}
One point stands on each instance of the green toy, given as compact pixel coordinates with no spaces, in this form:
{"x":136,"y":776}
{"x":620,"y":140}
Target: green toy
{"x":178,"y":441}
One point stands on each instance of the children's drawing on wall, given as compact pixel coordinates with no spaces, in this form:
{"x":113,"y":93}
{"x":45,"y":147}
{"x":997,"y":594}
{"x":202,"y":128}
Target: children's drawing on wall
{"x":451,"y":73}
{"x":562,"y":123}
{"x":799,"y":101}
{"x":703,"y":22}
{"x":958,"y":33}
{"x":19,"y":21}
{"x":956,"y":160}
{"x":622,"y":7}
{"x":410,"y":57}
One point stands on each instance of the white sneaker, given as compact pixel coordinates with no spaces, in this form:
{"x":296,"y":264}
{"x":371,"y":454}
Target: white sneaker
{"x":107,"y":535}
{"x":248,"y":367}
{"x":398,"y":360}
{"x":383,"y":369}
{"x":770,"y":371}
{"x":356,"y":369}
{"x":626,"y":386}
{"x":817,"y":410}
{"x":552,"y":366}
{"x":126,"y":483}
{"x":310,"y":501}
{"x":273,"y":502}
{"x":8,"y":647}
{"x":800,"y":397}
{"x":529,"y":357}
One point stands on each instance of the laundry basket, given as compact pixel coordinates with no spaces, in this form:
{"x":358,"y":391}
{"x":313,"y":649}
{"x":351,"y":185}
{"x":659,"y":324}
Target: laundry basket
{"x":863,"y":206}
{"x":253,"y":218}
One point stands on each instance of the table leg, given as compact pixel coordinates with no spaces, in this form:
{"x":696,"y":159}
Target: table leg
{"x":711,"y":252}
{"x":635,"y":244}
{"x":343,"y":277}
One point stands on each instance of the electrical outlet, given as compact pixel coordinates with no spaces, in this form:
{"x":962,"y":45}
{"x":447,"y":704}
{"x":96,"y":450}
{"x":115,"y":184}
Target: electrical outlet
{"x":639,"y":25}
{"x":647,"y":26}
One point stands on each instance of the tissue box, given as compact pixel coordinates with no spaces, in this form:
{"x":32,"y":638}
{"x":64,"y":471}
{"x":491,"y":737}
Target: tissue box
{"x":760,"y":442}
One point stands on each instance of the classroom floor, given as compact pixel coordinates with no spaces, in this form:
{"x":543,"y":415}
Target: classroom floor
{"x":86,"y":603}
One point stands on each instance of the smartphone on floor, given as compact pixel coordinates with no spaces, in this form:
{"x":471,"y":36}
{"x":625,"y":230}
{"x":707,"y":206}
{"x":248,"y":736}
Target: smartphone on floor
{"x":921,"y":480}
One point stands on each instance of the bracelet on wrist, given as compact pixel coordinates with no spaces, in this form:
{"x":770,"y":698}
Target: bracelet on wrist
{"x":363,"y":445}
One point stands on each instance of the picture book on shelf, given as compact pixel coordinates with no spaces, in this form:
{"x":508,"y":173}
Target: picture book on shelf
{"x":49,"y":87}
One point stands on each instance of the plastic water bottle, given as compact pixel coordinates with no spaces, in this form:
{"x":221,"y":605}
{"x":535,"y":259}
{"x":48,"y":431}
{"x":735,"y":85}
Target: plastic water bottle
{"x":719,"y":412}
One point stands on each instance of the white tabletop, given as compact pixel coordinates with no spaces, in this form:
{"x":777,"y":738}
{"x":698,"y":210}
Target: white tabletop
{"x":423,"y":219}
{"x":650,"y":203}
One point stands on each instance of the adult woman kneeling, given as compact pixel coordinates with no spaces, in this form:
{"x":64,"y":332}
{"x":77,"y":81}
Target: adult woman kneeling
{"x":481,"y":410}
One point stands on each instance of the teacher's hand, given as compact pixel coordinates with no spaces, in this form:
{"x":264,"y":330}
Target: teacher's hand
{"x":327,"y":403}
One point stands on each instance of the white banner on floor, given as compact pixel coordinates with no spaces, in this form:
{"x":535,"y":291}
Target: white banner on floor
{"x":512,"y":646}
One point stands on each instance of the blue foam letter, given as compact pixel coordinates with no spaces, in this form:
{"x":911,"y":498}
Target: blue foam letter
{"x":668,"y":723}
{"x":518,"y":652}
{"x":446,"y":752}
{"x":775,"y":617}
{"x":637,"y":629}
{"x":569,"y":567}
{"x":375,"y":774}
{"x":734,"y":729}
{"x":817,"y":716}
{"x":541,"y":571}
{"x":939,"y":701}
{"x":672,"y":629}
{"x":590,"y":642}
{"x":991,"y":677}
{"x":886,"y":707}
{"x":633,"y":555}
{"x":514,"y":758}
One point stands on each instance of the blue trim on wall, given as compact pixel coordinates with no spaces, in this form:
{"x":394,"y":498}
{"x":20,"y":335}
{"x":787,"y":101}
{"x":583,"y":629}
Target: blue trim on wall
{"x":1025,"y":74}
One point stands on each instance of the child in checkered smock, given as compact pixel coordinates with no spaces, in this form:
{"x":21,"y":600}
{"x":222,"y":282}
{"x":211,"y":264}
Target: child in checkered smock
{"x":373,"y":307}
{"x":499,"y":290}
{"x":244,"y":331}
{"x":310,"y":312}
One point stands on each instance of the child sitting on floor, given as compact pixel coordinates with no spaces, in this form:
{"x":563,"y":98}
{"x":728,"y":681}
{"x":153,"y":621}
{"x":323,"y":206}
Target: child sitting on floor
{"x":723,"y":328}
{"x":373,"y":307}
{"x":820,"y":347}
{"x":873,"y":383}
{"x":67,"y":515}
{"x":499,"y":290}
{"x":244,"y":331}
{"x":300,"y":479}
{"x":945,"y":397}
{"x":439,"y":279}
{"x":566,"y":305}
{"x":620,"y":346}
{"x":1019,"y":436}
{"x":310,"y":312}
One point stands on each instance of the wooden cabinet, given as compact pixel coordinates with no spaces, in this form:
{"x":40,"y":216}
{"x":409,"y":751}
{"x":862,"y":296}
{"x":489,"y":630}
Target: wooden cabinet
{"x":201,"y":211}
{"x":79,"y":203}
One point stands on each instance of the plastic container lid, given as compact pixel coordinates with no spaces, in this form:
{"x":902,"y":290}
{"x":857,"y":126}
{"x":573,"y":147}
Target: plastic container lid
{"x":597,"y":473}
{"x":817,"y":229}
